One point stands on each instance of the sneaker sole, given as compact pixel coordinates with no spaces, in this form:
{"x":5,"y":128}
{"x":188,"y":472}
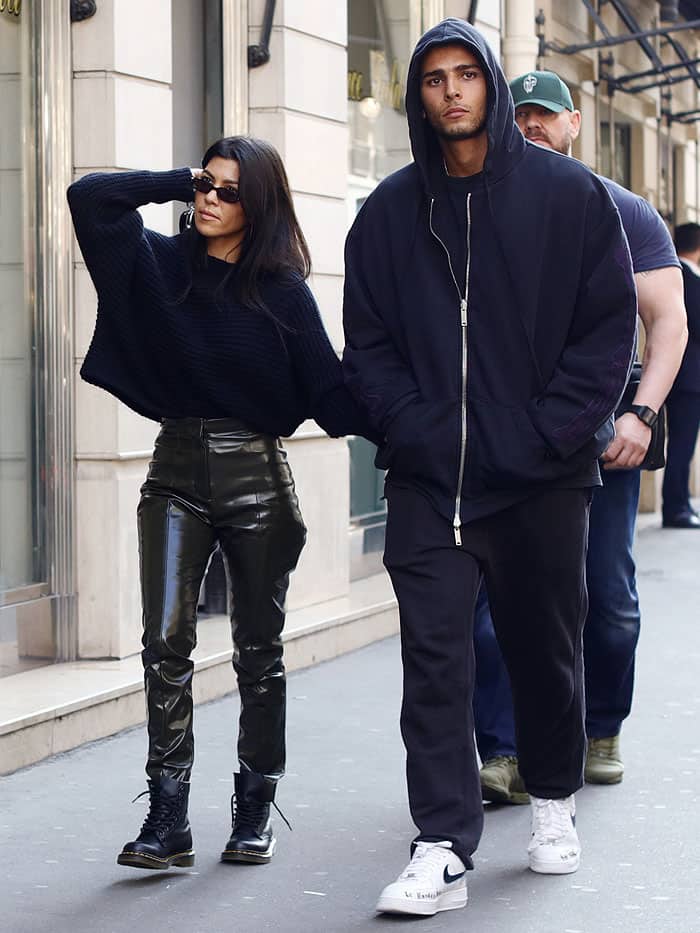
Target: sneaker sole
{"x":248,"y":857}
{"x":152,"y":862}
{"x":603,"y":779}
{"x":450,"y":900}
{"x":555,"y":868}
{"x":500,"y":795}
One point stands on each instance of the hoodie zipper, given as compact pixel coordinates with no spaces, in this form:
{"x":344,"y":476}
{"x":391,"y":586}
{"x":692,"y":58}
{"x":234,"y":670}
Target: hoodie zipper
{"x":463,"y":307}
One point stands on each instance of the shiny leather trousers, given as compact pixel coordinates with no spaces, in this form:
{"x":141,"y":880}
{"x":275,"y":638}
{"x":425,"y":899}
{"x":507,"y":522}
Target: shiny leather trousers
{"x":215,"y":482}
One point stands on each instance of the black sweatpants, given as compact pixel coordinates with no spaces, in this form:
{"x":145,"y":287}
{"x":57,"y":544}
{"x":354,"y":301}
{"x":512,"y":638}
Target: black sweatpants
{"x":532,"y":556}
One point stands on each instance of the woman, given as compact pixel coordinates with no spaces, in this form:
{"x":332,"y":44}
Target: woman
{"x":215,"y":334}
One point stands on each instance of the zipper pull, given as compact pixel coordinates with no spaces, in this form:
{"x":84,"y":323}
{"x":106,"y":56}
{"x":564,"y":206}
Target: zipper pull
{"x":463,"y":311}
{"x":458,"y":533}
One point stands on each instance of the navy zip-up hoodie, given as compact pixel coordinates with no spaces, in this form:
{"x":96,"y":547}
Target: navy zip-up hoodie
{"x":556,"y":244}
{"x":688,"y":378}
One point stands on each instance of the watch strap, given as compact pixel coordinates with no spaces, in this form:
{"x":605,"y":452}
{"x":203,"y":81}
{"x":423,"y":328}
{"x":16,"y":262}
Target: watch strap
{"x":645,"y":414}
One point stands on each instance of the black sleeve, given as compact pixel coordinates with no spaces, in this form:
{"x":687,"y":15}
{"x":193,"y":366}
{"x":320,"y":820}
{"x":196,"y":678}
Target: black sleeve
{"x":375,"y":372}
{"x":319,"y":372}
{"x":592,"y":372}
{"x":107,"y":223}
{"x":650,"y":242}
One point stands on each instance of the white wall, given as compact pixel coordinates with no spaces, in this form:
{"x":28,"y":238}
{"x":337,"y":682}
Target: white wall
{"x":298,"y":102}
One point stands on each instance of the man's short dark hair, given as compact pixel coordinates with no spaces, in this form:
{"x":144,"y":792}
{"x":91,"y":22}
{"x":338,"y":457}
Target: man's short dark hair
{"x":687,"y":238}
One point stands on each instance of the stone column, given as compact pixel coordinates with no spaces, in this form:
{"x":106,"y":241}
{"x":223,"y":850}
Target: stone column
{"x":519,"y":39}
{"x":298,"y":102}
{"x":122,"y":120}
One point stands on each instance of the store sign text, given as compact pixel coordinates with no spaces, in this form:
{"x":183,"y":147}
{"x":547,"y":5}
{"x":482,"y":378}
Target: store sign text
{"x":11,"y":7}
{"x":389,"y":90}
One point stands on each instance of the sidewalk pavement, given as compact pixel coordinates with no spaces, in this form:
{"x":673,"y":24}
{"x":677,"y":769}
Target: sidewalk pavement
{"x":63,"y":821}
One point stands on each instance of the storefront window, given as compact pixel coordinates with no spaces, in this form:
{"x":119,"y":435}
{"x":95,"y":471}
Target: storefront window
{"x":620,"y":171}
{"x":26,"y":634}
{"x":19,"y":550}
{"x":378,"y":54}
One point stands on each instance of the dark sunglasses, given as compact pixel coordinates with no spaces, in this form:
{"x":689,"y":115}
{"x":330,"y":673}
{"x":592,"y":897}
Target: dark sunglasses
{"x":205,"y":185}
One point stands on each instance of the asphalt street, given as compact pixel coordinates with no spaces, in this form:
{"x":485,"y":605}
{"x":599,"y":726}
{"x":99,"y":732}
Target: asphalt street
{"x":63,"y":821}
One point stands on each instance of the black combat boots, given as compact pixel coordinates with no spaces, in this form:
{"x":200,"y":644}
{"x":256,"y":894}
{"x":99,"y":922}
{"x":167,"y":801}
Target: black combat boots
{"x":252,"y":839}
{"x":165,"y":838}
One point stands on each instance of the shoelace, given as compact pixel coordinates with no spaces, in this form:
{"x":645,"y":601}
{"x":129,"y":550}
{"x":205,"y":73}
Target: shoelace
{"x":162,"y":811}
{"x":251,"y":812}
{"x":551,"y":820}
{"x":426,"y":859}
{"x":602,"y":748}
{"x":502,"y":761}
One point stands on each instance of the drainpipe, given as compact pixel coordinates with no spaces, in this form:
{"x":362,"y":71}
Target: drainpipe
{"x":613,"y":133}
{"x":597,"y":110}
{"x":658,"y":164}
{"x":519,"y":38}
{"x":697,"y":178}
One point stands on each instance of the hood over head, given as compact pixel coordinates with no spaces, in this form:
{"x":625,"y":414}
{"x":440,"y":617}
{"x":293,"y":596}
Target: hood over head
{"x":505,"y":141}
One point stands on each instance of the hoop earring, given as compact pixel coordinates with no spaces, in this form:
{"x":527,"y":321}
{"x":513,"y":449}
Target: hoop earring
{"x":189,"y":217}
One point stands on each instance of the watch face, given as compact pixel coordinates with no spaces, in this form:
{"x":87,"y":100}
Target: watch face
{"x":645,"y":414}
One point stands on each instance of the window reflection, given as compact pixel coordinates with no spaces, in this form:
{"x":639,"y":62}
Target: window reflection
{"x":378,"y":54}
{"x":16,"y":397}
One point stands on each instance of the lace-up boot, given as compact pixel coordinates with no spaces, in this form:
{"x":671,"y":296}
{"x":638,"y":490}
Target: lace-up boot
{"x":165,"y":838}
{"x":433,"y":880}
{"x":501,"y":781}
{"x":603,"y":762}
{"x":251,"y":839}
{"x":554,"y":847}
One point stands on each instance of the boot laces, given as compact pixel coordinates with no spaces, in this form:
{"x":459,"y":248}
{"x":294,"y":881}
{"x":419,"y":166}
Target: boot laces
{"x":603,"y":748}
{"x":502,"y":763}
{"x":427,"y":859}
{"x":162,"y":812}
{"x":251,"y":813}
{"x":551,"y":820}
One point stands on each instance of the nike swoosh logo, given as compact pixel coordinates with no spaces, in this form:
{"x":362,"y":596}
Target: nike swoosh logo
{"x":448,"y":878}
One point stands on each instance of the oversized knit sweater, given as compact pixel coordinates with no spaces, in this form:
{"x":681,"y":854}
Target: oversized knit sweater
{"x":207,"y":356}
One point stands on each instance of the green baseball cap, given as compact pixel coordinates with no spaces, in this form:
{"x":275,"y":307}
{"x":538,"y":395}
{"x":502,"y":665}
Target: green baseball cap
{"x":543,"y":88}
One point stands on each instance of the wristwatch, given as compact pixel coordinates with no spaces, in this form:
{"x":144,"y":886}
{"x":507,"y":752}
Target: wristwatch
{"x":645,"y":414}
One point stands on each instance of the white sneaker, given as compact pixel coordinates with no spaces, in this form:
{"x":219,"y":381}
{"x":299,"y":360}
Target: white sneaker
{"x":554,"y":847}
{"x":433,"y":880}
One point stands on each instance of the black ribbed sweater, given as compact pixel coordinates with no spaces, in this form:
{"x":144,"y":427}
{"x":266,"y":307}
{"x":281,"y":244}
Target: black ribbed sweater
{"x":204,"y":357}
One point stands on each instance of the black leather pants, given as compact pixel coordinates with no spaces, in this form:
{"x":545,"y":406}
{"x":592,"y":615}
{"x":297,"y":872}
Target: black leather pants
{"x":216,"y":482}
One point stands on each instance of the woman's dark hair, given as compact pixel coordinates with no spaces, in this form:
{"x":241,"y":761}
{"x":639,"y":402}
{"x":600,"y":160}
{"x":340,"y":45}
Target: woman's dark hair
{"x":274,"y":246}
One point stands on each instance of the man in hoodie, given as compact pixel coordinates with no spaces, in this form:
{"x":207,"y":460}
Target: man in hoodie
{"x":490,"y":320}
{"x":545,"y":113}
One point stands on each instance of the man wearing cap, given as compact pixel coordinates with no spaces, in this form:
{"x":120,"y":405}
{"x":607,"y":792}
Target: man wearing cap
{"x":545,"y":113}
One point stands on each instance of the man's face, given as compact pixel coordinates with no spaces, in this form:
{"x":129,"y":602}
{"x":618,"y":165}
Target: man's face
{"x":554,"y":130}
{"x":453,"y":92}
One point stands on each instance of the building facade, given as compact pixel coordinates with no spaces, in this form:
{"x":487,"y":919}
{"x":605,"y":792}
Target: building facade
{"x":88,"y":86}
